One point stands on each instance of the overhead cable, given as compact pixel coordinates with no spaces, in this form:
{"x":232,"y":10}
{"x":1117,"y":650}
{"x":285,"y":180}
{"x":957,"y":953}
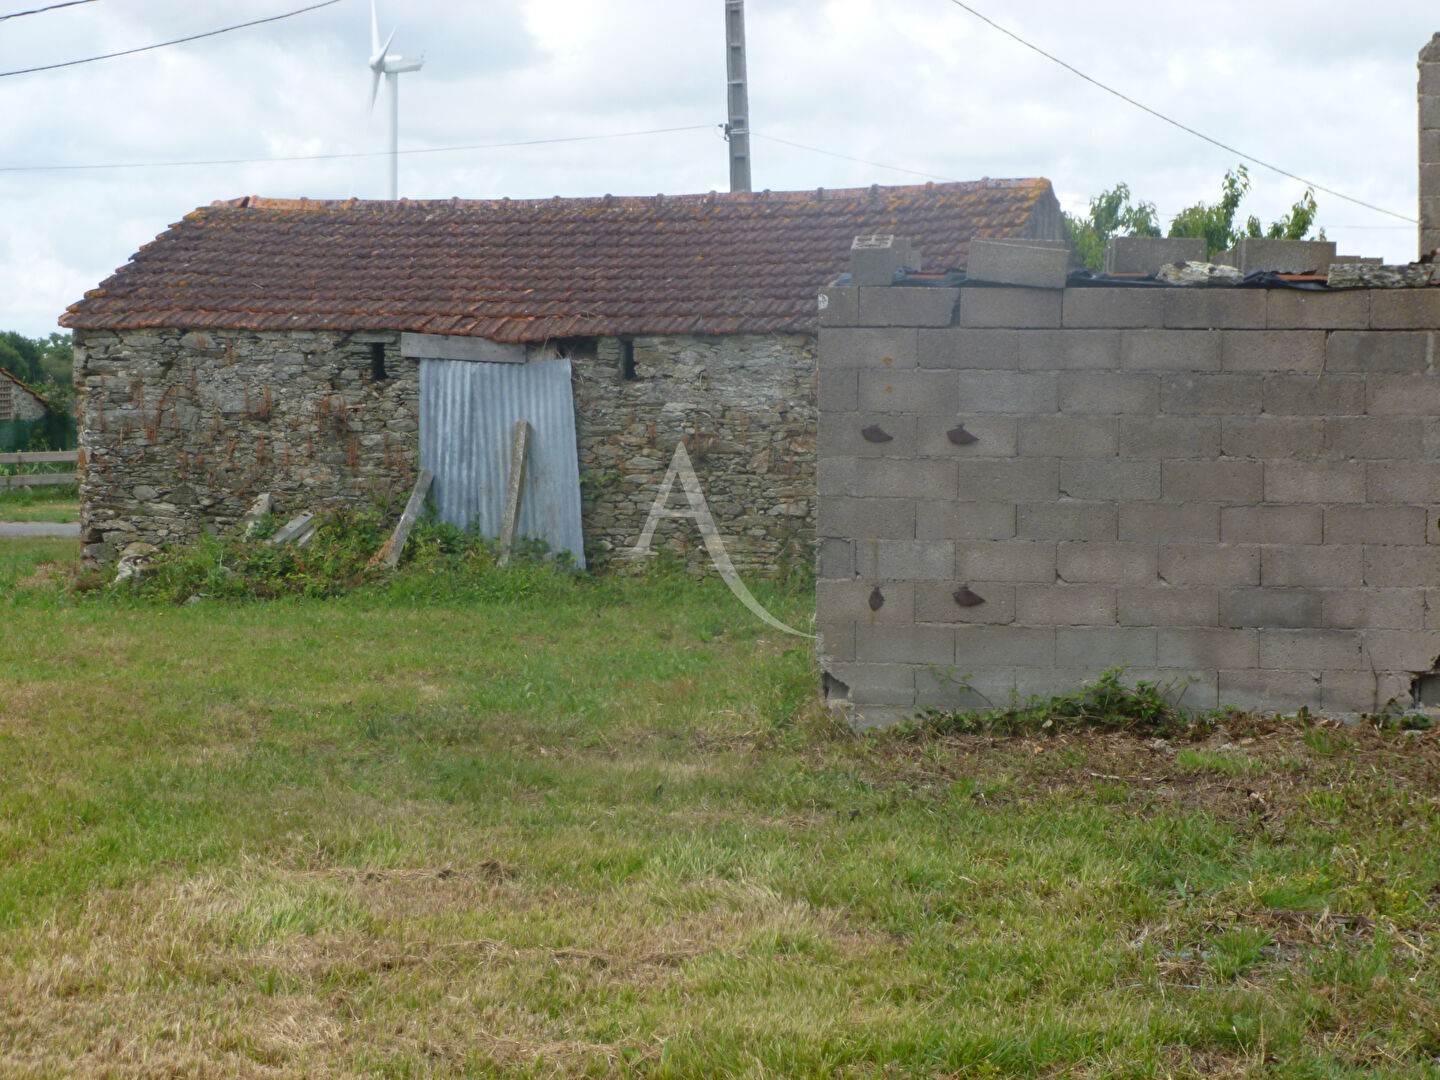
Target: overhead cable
{"x":164,"y":44}
{"x":1176,"y":123}
{"x":42,"y":10}
{"x":847,"y":157}
{"x":341,"y":156}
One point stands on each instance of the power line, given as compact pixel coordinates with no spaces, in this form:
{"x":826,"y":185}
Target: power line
{"x":847,"y":157}
{"x":164,"y":44}
{"x":1176,"y":123}
{"x":42,"y":10}
{"x":342,"y":156}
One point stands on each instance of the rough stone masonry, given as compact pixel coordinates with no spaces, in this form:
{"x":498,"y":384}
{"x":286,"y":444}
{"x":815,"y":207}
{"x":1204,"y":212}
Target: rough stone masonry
{"x":1232,"y":488}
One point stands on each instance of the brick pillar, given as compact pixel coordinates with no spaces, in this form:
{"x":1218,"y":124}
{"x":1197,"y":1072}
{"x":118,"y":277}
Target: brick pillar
{"x":1429,"y":94}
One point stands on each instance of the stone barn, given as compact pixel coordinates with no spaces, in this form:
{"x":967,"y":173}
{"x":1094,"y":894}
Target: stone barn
{"x":324,"y":352}
{"x":23,"y":413}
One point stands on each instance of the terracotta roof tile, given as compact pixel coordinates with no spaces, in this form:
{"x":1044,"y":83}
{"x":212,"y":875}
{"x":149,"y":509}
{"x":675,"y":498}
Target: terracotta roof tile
{"x":526,"y":270}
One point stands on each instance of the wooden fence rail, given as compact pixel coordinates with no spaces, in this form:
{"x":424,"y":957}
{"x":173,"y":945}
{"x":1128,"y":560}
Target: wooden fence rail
{"x":44,"y":457}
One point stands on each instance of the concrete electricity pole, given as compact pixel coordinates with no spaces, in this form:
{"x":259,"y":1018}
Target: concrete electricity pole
{"x":737,"y":130}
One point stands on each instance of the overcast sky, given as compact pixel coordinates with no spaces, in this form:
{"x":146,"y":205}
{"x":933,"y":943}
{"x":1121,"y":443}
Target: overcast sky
{"x":1324,"y":89}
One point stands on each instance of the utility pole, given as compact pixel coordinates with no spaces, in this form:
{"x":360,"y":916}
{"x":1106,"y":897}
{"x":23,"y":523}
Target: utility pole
{"x":737,"y":130}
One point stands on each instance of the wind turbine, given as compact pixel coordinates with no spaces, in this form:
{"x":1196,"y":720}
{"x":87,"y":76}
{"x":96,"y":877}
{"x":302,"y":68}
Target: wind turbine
{"x":382,"y":62}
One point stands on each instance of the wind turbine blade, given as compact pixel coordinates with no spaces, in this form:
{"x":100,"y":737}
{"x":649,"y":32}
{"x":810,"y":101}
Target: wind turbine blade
{"x":378,"y":60}
{"x":374,"y":89}
{"x":374,"y":32}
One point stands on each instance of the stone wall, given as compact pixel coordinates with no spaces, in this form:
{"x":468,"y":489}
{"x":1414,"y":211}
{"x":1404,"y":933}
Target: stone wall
{"x":1230,"y":488}
{"x":180,"y":430}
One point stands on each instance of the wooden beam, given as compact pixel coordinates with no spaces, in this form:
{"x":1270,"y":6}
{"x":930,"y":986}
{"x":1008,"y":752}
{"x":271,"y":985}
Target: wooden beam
{"x":455,"y":347}
{"x":519,"y":451}
{"x":390,"y":551}
{"x":41,"y":457}
{"x":38,"y":480}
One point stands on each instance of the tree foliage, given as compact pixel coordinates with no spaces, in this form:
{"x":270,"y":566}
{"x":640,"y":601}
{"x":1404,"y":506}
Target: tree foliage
{"x":1113,"y":214}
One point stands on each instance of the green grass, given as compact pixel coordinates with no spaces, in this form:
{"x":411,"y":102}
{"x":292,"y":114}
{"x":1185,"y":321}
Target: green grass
{"x":601,"y":827}
{"x":58,"y":503}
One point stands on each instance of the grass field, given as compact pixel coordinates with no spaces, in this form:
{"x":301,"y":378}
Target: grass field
{"x":40,"y":504}
{"x":559,"y":828}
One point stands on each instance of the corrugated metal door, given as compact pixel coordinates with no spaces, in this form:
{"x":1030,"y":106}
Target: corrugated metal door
{"x":467,"y":419}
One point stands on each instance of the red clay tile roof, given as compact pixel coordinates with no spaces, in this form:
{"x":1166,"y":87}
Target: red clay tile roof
{"x":531,"y":270}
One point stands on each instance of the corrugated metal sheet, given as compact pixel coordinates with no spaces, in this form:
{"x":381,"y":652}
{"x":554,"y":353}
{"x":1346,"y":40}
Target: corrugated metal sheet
{"x":467,"y":418}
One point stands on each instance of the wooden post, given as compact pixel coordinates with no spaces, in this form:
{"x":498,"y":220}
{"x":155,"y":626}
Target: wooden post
{"x":519,"y":449}
{"x":389,"y":553}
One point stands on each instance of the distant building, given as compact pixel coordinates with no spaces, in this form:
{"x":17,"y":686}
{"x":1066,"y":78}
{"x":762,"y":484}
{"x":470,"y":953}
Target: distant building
{"x":23,"y":412}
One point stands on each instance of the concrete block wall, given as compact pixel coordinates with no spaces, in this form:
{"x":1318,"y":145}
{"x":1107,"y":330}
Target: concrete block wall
{"x":1234,"y":489}
{"x":1429,"y":100}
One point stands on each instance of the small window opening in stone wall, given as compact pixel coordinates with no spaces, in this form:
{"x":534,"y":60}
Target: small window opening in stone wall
{"x":627,"y":360}
{"x":1426,"y":689}
{"x":377,"y":361}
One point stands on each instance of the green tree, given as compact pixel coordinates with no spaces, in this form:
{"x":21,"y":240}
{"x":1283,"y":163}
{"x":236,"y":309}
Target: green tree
{"x":1112,"y":214}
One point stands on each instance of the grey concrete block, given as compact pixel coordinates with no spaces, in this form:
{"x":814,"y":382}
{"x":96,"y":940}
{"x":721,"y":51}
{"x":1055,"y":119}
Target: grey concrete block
{"x":1100,"y":481}
{"x":958,"y":348}
{"x":1312,"y":650}
{"x":909,"y":392}
{"x":1402,"y":482}
{"x":1005,"y":560}
{"x":1271,"y":525}
{"x":1404,"y":309}
{"x":855,"y":433}
{"x":834,"y":559}
{"x":1211,"y":394}
{"x":1059,"y":350}
{"x":1215,"y":309}
{"x":1308,"y":395}
{"x":1096,"y":308}
{"x":1403,"y":650}
{"x":905,"y":644}
{"x":995,"y":646}
{"x":1101,"y":563}
{"x":1109,"y":393}
{"x":1069,"y":437}
{"x":938,"y":604}
{"x":901,"y":305}
{"x":1212,"y":481}
{"x":1292,"y":309}
{"x":1165,"y":522}
{"x":1375,"y":525}
{"x":1170,"y":350}
{"x":847,"y":518}
{"x":1315,"y":566}
{"x":1209,"y":648}
{"x":1066,"y":520}
{"x":1270,"y":691}
{"x":1375,"y":609}
{"x":1210,"y":564}
{"x":1169,"y":605}
{"x":1147,"y":254}
{"x":895,"y":479}
{"x":1285,"y":256}
{"x":1065,"y":605}
{"x":1400,"y":351}
{"x":1314,"y":482}
{"x":975,"y":689}
{"x":834,"y":642}
{"x":874,"y":259}
{"x":849,"y":602}
{"x":1402,"y":395}
{"x":838,"y":390}
{"x":839,"y":305}
{"x":1271,"y":607}
{"x":1357,"y":691}
{"x":836,"y":476}
{"x":1017,"y":263}
{"x":996,"y":436}
{"x":1010,"y":308}
{"x":889,"y":348}
{"x":1273,"y":350}
{"x":876,"y":684}
{"x":905,"y":560}
{"x":1008,"y":479}
{"x":1272,"y":436}
{"x":1429,"y":111}
{"x":1428,"y":84}
{"x":1170,"y":436}
{"x":964,"y":520}
{"x":1404,"y":566}
{"x":1006,"y":391}
{"x":1096,"y":648}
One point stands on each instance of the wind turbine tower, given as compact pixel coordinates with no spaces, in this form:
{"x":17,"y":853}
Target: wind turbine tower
{"x":383,"y":62}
